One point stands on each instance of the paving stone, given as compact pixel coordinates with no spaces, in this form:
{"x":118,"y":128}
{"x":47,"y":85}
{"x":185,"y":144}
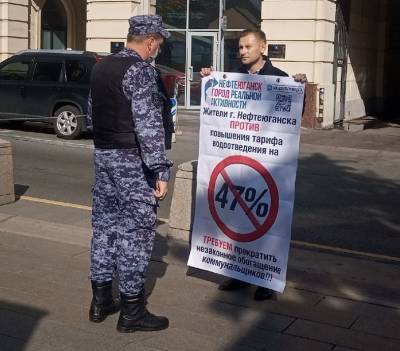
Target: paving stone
{"x":45,"y":294}
{"x":21,"y":302}
{"x":294,"y":303}
{"x":265,"y":340}
{"x":216,"y":324}
{"x":48,"y":212}
{"x":11,"y":344}
{"x":296,"y":308}
{"x":70,"y":315}
{"x":60,"y":337}
{"x":4,"y":217}
{"x":36,"y":228}
{"x":132,"y":346}
{"x":357,"y":307}
{"x":345,"y":277}
{"x":18,"y":325}
{"x":372,"y":319}
{"x":180,"y":340}
{"x":53,"y":250}
{"x":384,"y":326}
{"x":341,"y":336}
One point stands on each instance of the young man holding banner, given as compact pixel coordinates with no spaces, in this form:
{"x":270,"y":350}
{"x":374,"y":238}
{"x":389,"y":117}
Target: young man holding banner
{"x":252,"y":45}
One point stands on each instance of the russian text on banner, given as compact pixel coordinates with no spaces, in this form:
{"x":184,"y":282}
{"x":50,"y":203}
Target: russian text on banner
{"x":249,"y":145}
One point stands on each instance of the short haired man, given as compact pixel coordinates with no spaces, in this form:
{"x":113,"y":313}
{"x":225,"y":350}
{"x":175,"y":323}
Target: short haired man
{"x":252,"y":45}
{"x":130,"y":122}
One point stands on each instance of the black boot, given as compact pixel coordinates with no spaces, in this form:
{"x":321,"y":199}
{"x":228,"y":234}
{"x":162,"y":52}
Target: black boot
{"x":103,"y":303}
{"x":263,"y":294}
{"x":232,"y":284}
{"x":134,"y":315}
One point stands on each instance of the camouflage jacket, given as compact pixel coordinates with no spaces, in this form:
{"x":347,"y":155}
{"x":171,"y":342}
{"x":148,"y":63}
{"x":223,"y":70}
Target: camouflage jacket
{"x":141,"y":88}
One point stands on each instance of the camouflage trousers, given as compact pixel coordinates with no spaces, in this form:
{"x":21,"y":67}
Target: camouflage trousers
{"x":123,"y":227}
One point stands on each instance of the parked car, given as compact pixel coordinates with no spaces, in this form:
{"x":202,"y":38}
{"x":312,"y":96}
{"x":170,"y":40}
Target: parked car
{"x":170,"y":77}
{"x":37,"y":84}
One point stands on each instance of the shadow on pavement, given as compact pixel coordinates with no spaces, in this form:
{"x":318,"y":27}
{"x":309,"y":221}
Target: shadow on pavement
{"x":17,"y":325}
{"x":157,"y":267}
{"x":337,"y":203}
{"x":20,"y":189}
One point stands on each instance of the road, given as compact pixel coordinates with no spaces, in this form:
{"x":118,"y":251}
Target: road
{"x":51,"y":168}
{"x":346,"y":198}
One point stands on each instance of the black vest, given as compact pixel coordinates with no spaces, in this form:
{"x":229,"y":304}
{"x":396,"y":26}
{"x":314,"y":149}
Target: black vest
{"x":113,"y":126}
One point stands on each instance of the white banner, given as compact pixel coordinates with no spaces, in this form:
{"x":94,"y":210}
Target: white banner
{"x":249,"y":145}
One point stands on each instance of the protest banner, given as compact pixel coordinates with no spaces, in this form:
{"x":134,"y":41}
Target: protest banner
{"x":248,"y":152}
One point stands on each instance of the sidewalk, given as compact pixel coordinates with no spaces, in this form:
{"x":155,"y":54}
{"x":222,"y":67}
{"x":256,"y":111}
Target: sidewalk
{"x":341,"y":303}
{"x":382,"y":137}
{"x":333,"y":301}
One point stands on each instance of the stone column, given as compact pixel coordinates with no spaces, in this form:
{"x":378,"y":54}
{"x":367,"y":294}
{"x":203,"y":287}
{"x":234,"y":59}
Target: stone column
{"x":307,"y":28}
{"x":107,"y":21}
{"x":14,"y":34}
{"x":366,"y":58}
{"x":183,"y":202}
{"x":381,"y":57}
{"x":6,"y":173}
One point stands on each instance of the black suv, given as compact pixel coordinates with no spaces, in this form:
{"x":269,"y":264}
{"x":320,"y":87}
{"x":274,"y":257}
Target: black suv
{"x":37,"y":84}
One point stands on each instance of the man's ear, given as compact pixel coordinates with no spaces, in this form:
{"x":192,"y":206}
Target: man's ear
{"x":263,"y":47}
{"x":150,"y":42}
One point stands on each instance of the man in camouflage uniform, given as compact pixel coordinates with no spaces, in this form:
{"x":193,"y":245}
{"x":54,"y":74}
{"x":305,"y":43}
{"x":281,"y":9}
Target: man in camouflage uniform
{"x":128,"y":111}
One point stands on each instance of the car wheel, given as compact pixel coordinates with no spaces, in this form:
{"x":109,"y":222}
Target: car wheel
{"x":68,"y":123}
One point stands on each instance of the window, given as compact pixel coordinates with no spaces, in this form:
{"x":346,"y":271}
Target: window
{"x":243,"y":14}
{"x":173,"y":52}
{"x":203,"y":14}
{"x":171,"y":64}
{"x":48,"y":71}
{"x":15,"y":71}
{"x":173,"y":13}
{"x":75,"y":71}
{"x":231,"y":51}
{"x":54,"y":25}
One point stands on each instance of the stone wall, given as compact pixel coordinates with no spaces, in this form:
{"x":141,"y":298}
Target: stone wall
{"x":6,"y":173}
{"x":307,"y":28}
{"x":365,"y":73}
{"x":107,"y":21}
{"x":13,"y":27}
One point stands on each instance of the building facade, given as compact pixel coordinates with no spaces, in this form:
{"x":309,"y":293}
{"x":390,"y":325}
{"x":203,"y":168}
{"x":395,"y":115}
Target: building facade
{"x":349,"y":48}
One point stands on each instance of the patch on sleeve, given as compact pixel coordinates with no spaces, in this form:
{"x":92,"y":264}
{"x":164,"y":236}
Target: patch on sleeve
{"x":157,"y":100}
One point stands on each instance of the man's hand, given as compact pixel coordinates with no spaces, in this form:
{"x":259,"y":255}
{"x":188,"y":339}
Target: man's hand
{"x":161,"y":189}
{"x":300,"y":77}
{"x":206,"y":71}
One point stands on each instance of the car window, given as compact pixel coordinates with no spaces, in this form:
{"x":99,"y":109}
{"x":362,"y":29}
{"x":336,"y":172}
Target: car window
{"x":15,"y":71}
{"x":47,"y":71}
{"x":75,"y":70}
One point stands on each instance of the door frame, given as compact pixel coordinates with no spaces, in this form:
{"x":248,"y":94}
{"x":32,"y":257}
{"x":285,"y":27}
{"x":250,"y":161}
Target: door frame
{"x":189,"y":70}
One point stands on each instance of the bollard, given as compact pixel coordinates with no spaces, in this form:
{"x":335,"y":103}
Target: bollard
{"x":7,"y":194}
{"x":183,"y":202}
{"x":310,"y":114}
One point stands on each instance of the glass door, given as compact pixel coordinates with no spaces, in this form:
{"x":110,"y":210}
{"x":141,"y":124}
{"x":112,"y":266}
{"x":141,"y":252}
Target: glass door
{"x":202,"y":52}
